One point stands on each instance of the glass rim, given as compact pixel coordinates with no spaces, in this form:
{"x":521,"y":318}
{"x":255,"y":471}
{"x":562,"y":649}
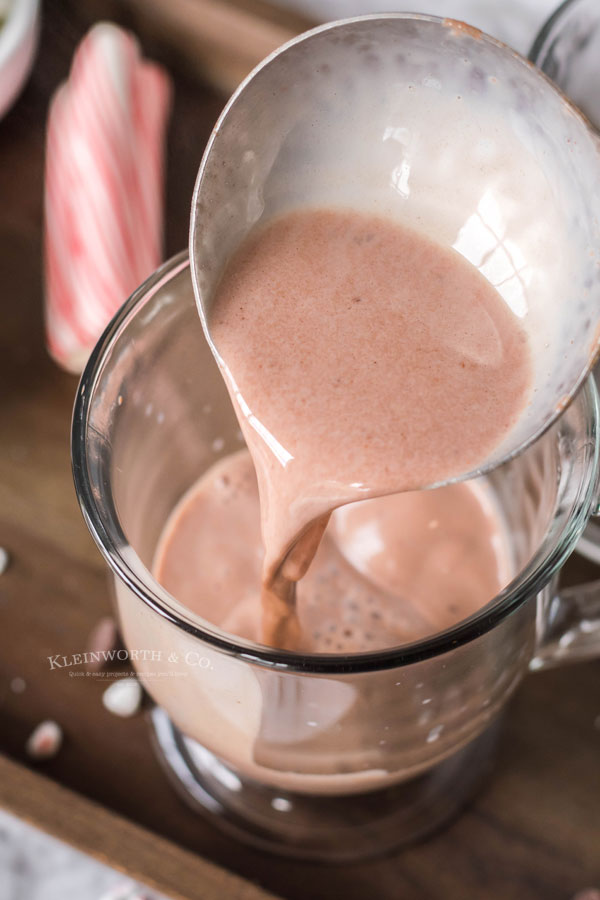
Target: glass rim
{"x":461,"y":28}
{"x":537,"y":48}
{"x":111,"y":540}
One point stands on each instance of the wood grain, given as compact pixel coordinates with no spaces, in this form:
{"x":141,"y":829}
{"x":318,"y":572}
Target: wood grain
{"x":224,"y":41}
{"x":219,"y":40}
{"x":114,"y":841}
{"x":532,"y":834}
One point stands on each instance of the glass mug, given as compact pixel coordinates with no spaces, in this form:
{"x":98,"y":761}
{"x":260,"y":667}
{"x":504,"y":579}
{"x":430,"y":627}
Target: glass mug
{"x":567,"y":49}
{"x":318,"y":756}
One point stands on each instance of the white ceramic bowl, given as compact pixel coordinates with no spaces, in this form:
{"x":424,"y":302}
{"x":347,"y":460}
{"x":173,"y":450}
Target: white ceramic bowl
{"x":18,"y":43}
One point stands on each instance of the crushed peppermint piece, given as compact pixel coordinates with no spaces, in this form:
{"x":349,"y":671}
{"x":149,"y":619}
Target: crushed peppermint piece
{"x":102,"y":642}
{"x":123,"y":698}
{"x":18,"y":685}
{"x":4,"y":560}
{"x":45,"y":740}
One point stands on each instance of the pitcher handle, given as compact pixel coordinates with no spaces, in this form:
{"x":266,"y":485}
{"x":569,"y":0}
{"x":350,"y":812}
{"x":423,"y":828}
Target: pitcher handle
{"x":568,"y":619}
{"x":568,"y":625}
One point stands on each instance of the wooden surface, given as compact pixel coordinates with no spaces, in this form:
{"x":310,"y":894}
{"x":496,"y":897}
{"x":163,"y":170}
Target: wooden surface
{"x":219,"y":40}
{"x":116,"y":841}
{"x":532,"y":834}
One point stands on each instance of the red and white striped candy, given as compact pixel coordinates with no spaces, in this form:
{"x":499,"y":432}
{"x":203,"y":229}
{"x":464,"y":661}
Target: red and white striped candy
{"x":103,"y":189}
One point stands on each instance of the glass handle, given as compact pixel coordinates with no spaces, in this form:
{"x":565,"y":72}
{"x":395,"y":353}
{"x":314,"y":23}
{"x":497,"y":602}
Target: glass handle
{"x":568,"y":627}
{"x":568,"y":619}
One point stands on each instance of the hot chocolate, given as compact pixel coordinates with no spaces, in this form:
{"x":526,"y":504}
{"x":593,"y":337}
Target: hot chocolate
{"x":388,"y":570}
{"x":363,"y":360}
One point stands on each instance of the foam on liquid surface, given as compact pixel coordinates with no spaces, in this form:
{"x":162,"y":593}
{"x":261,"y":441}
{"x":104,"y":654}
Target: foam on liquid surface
{"x":388,"y":571}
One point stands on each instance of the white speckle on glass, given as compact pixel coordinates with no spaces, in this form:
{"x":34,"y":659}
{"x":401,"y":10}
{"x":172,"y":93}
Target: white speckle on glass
{"x":281,"y":804}
{"x":218,"y":444}
{"x":18,"y":685}
{"x":434,"y":733}
{"x":430,"y":82}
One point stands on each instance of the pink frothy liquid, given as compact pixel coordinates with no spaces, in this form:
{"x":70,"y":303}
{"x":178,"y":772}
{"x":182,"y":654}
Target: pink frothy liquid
{"x":387,"y":571}
{"x":363,"y":360}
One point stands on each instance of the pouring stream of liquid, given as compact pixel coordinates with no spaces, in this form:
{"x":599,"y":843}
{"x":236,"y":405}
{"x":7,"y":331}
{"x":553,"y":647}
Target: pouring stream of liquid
{"x":362,"y":359}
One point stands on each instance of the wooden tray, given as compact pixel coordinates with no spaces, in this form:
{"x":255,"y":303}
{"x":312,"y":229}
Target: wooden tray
{"x":533,"y":833}
{"x":218,"y":40}
{"x":116,"y":841}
